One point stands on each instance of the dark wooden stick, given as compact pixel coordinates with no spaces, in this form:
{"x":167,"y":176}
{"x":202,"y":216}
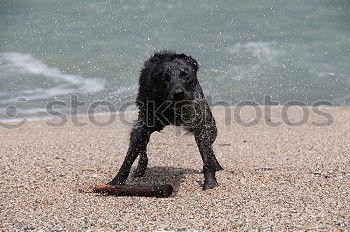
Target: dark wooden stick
{"x":135,"y":190}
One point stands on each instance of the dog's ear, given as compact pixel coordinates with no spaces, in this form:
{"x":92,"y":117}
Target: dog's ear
{"x":162,"y":56}
{"x":190,"y":60}
{"x":157,"y":58}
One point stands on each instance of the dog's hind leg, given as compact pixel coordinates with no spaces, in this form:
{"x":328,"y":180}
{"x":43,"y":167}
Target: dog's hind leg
{"x":142,"y":165}
{"x":138,"y":144}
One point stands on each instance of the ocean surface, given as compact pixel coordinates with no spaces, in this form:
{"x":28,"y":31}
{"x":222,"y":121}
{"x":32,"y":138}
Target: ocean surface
{"x":55,"y":50}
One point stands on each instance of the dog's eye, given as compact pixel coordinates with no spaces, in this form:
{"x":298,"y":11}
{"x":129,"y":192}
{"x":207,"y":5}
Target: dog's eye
{"x":167,"y":77}
{"x":184,"y":74}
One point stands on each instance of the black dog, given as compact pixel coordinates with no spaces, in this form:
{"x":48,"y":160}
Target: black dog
{"x":169,"y":93}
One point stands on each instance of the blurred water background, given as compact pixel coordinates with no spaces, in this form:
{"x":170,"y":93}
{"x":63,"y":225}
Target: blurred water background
{"x":288,"y":50}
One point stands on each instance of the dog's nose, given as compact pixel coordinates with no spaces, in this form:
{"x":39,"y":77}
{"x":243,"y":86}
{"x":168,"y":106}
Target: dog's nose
{"x":178,"y":95}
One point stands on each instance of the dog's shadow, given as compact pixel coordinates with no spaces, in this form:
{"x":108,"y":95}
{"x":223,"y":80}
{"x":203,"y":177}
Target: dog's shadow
{"x":163,"y":175}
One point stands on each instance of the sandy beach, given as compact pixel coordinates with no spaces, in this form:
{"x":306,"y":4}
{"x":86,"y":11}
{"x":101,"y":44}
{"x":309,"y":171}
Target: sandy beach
{"x":276,"y":177}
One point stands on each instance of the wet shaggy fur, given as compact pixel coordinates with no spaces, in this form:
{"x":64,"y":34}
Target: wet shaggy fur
{"x":170,"y":94}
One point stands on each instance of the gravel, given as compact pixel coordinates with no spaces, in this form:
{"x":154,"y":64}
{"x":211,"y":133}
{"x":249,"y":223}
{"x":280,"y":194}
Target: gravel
{"x":275,"y":178}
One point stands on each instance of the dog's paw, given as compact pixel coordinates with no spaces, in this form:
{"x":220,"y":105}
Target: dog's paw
{"x":210,"y":184}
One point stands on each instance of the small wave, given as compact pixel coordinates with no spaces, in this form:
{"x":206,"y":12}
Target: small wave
{"x":254,"y":58}
{"x":323,"y":70}
{"x":264,"y":51}
{"x":16,"y":63}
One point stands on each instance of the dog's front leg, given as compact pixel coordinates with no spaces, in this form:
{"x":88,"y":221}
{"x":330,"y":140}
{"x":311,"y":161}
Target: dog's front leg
{"x":206,"y":151}
{"x":138,"y":144}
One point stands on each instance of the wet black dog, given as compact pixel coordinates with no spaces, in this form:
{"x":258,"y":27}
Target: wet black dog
{"x":169,"y":93}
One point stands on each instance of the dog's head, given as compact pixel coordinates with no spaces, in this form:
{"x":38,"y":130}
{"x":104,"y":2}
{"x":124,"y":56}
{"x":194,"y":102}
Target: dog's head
{"x":175,"y":76}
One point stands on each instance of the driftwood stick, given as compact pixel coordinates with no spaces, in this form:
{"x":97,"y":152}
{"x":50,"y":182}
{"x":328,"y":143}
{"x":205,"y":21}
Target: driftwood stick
{"x":135,"y":190}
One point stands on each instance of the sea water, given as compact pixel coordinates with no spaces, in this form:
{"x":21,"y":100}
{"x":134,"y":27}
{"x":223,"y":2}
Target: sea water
{"x":53,"y":50}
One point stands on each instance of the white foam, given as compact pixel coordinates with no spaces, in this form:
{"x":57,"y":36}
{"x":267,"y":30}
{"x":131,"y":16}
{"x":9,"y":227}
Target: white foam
{"x":264,"y":51}
{"x":14,"y":62}
{"x":264,"y":55}
{"x":322,"y":70}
